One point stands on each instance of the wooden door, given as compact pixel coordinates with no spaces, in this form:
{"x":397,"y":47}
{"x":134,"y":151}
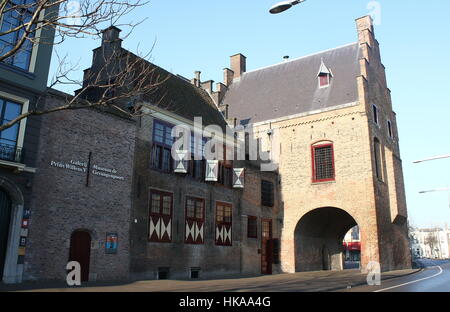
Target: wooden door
{"x":5,"y":217}
{"x":266,"y":247}
{"x":80,"y":251}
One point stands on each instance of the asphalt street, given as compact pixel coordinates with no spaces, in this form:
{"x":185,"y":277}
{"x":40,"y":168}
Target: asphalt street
{"x":435,"y":277}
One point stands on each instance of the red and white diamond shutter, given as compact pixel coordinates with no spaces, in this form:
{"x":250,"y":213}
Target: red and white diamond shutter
{"x":195,"y":220}
{"x":160,"y":218}
{"x":223,"y":227}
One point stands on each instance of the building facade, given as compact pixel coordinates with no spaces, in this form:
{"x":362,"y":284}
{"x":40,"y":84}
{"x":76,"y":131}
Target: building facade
{"x":327,"y":120}
{"x":432,"y":243}
{"x":81,"y":200}
{"x":23,"y":81}
{"x":108,"y":195}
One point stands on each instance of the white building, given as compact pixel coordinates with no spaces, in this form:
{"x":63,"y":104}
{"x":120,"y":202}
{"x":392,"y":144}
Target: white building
{"x":433,"y":243}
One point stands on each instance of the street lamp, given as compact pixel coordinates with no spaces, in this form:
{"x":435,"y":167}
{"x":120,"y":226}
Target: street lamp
{"x":433,"y":158}
{"x":284,"y":5}
{"x":436,"y":190}
{"x":439,"y":190}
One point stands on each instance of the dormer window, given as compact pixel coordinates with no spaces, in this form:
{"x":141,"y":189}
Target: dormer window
{"x":324,"y":75}
{"x":324,"y":80}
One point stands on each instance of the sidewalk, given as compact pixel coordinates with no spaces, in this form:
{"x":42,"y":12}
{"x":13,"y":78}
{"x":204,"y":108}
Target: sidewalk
{"x":298,"y":282}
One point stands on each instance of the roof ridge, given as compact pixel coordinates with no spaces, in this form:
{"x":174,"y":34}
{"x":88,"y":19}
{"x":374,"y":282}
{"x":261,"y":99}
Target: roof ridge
{"x":301,"y":57}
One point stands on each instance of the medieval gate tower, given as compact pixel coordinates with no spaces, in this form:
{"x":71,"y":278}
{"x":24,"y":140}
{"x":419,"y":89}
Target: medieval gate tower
{"x":327,"y":120}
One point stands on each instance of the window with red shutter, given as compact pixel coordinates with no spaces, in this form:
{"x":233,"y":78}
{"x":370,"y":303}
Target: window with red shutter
{"x":160,"y":217}
{"x":224,"y":220}
{"x":195,"y":220}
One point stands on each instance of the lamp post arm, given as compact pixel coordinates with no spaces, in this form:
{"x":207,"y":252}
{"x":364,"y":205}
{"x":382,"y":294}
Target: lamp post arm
{"x":432,"y":158}
{"x":294,"y":2}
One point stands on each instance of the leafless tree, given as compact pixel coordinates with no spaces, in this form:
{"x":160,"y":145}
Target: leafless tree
{"x":118,"y":77}
{"x":432,"y":241}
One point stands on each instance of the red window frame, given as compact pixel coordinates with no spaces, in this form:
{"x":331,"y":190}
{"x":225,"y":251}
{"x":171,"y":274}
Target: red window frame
{"x":324,"y":80}
{"x":200,"y":221}
{"x":223,"y":223}
{"x":313,"y":160}
{"x":160,"y":215}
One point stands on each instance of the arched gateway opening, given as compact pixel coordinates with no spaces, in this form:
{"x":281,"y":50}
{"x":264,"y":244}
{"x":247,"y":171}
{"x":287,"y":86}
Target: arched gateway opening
{"x":319,"y":239}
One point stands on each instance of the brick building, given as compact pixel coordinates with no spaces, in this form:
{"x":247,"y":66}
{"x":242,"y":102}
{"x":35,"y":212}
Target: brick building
{"x":327,"y":120}
{"x":106,"y":193}
{"x":81,"y":199}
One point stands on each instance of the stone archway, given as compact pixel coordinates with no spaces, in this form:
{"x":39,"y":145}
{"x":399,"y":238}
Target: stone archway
{"x":318,"y":239}
{"x":12,"y":272}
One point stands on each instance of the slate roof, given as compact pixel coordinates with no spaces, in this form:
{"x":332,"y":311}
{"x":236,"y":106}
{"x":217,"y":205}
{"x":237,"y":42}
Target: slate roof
{"x":180,"y":97}
{"x":292,"y":87}
{"x":172,"y":93}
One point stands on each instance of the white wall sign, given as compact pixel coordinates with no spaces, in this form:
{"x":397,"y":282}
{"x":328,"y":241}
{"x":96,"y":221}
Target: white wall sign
{"x":73,"y":165}
{"x":81,"y":166}
{"x":106,"y":173}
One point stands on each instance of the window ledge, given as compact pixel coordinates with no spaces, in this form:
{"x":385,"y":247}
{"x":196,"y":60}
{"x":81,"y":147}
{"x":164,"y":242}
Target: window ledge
{"x":18,"y":70}
{"x":324,"y":182}
{"x":20,"y":167}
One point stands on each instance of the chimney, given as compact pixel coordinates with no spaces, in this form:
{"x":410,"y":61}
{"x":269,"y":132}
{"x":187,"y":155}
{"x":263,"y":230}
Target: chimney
{"x":111,"y":44}
{"x":208,"y":86}
{"x":196,"y":81}
{"x":220,"y":93}
{"x":110,"y":34}
{"x":221,"y":87}
{"x":238,"y":65}
{"x":228,"y":76}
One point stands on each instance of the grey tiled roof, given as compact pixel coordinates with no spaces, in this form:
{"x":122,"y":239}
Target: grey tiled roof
{"x":292,"y":87}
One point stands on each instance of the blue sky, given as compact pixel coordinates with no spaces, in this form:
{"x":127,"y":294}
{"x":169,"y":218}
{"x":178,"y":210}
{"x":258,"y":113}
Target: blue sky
{"x":415,"y":45}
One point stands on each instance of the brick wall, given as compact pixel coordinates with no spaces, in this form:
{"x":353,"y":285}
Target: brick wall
{"x":242,"y":258}
{"x":61,"y":201}
{"x":378,"y":207}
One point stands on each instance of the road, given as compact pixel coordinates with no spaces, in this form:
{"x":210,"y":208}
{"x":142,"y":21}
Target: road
{"x":434,"y":278}
{"x":298,"y":282}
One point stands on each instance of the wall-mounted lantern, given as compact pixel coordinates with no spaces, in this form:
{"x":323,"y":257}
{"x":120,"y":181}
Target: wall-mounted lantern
{"x":238,"y":177}
{"x":180,"y":162}
{"x":212,"y":170}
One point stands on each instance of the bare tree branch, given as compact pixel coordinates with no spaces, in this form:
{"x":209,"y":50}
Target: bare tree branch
{"x":117,"y":80}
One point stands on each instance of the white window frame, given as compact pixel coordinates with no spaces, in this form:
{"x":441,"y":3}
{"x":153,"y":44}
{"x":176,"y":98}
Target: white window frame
{"x":34,"y":50}
{"x":23,"y":123}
